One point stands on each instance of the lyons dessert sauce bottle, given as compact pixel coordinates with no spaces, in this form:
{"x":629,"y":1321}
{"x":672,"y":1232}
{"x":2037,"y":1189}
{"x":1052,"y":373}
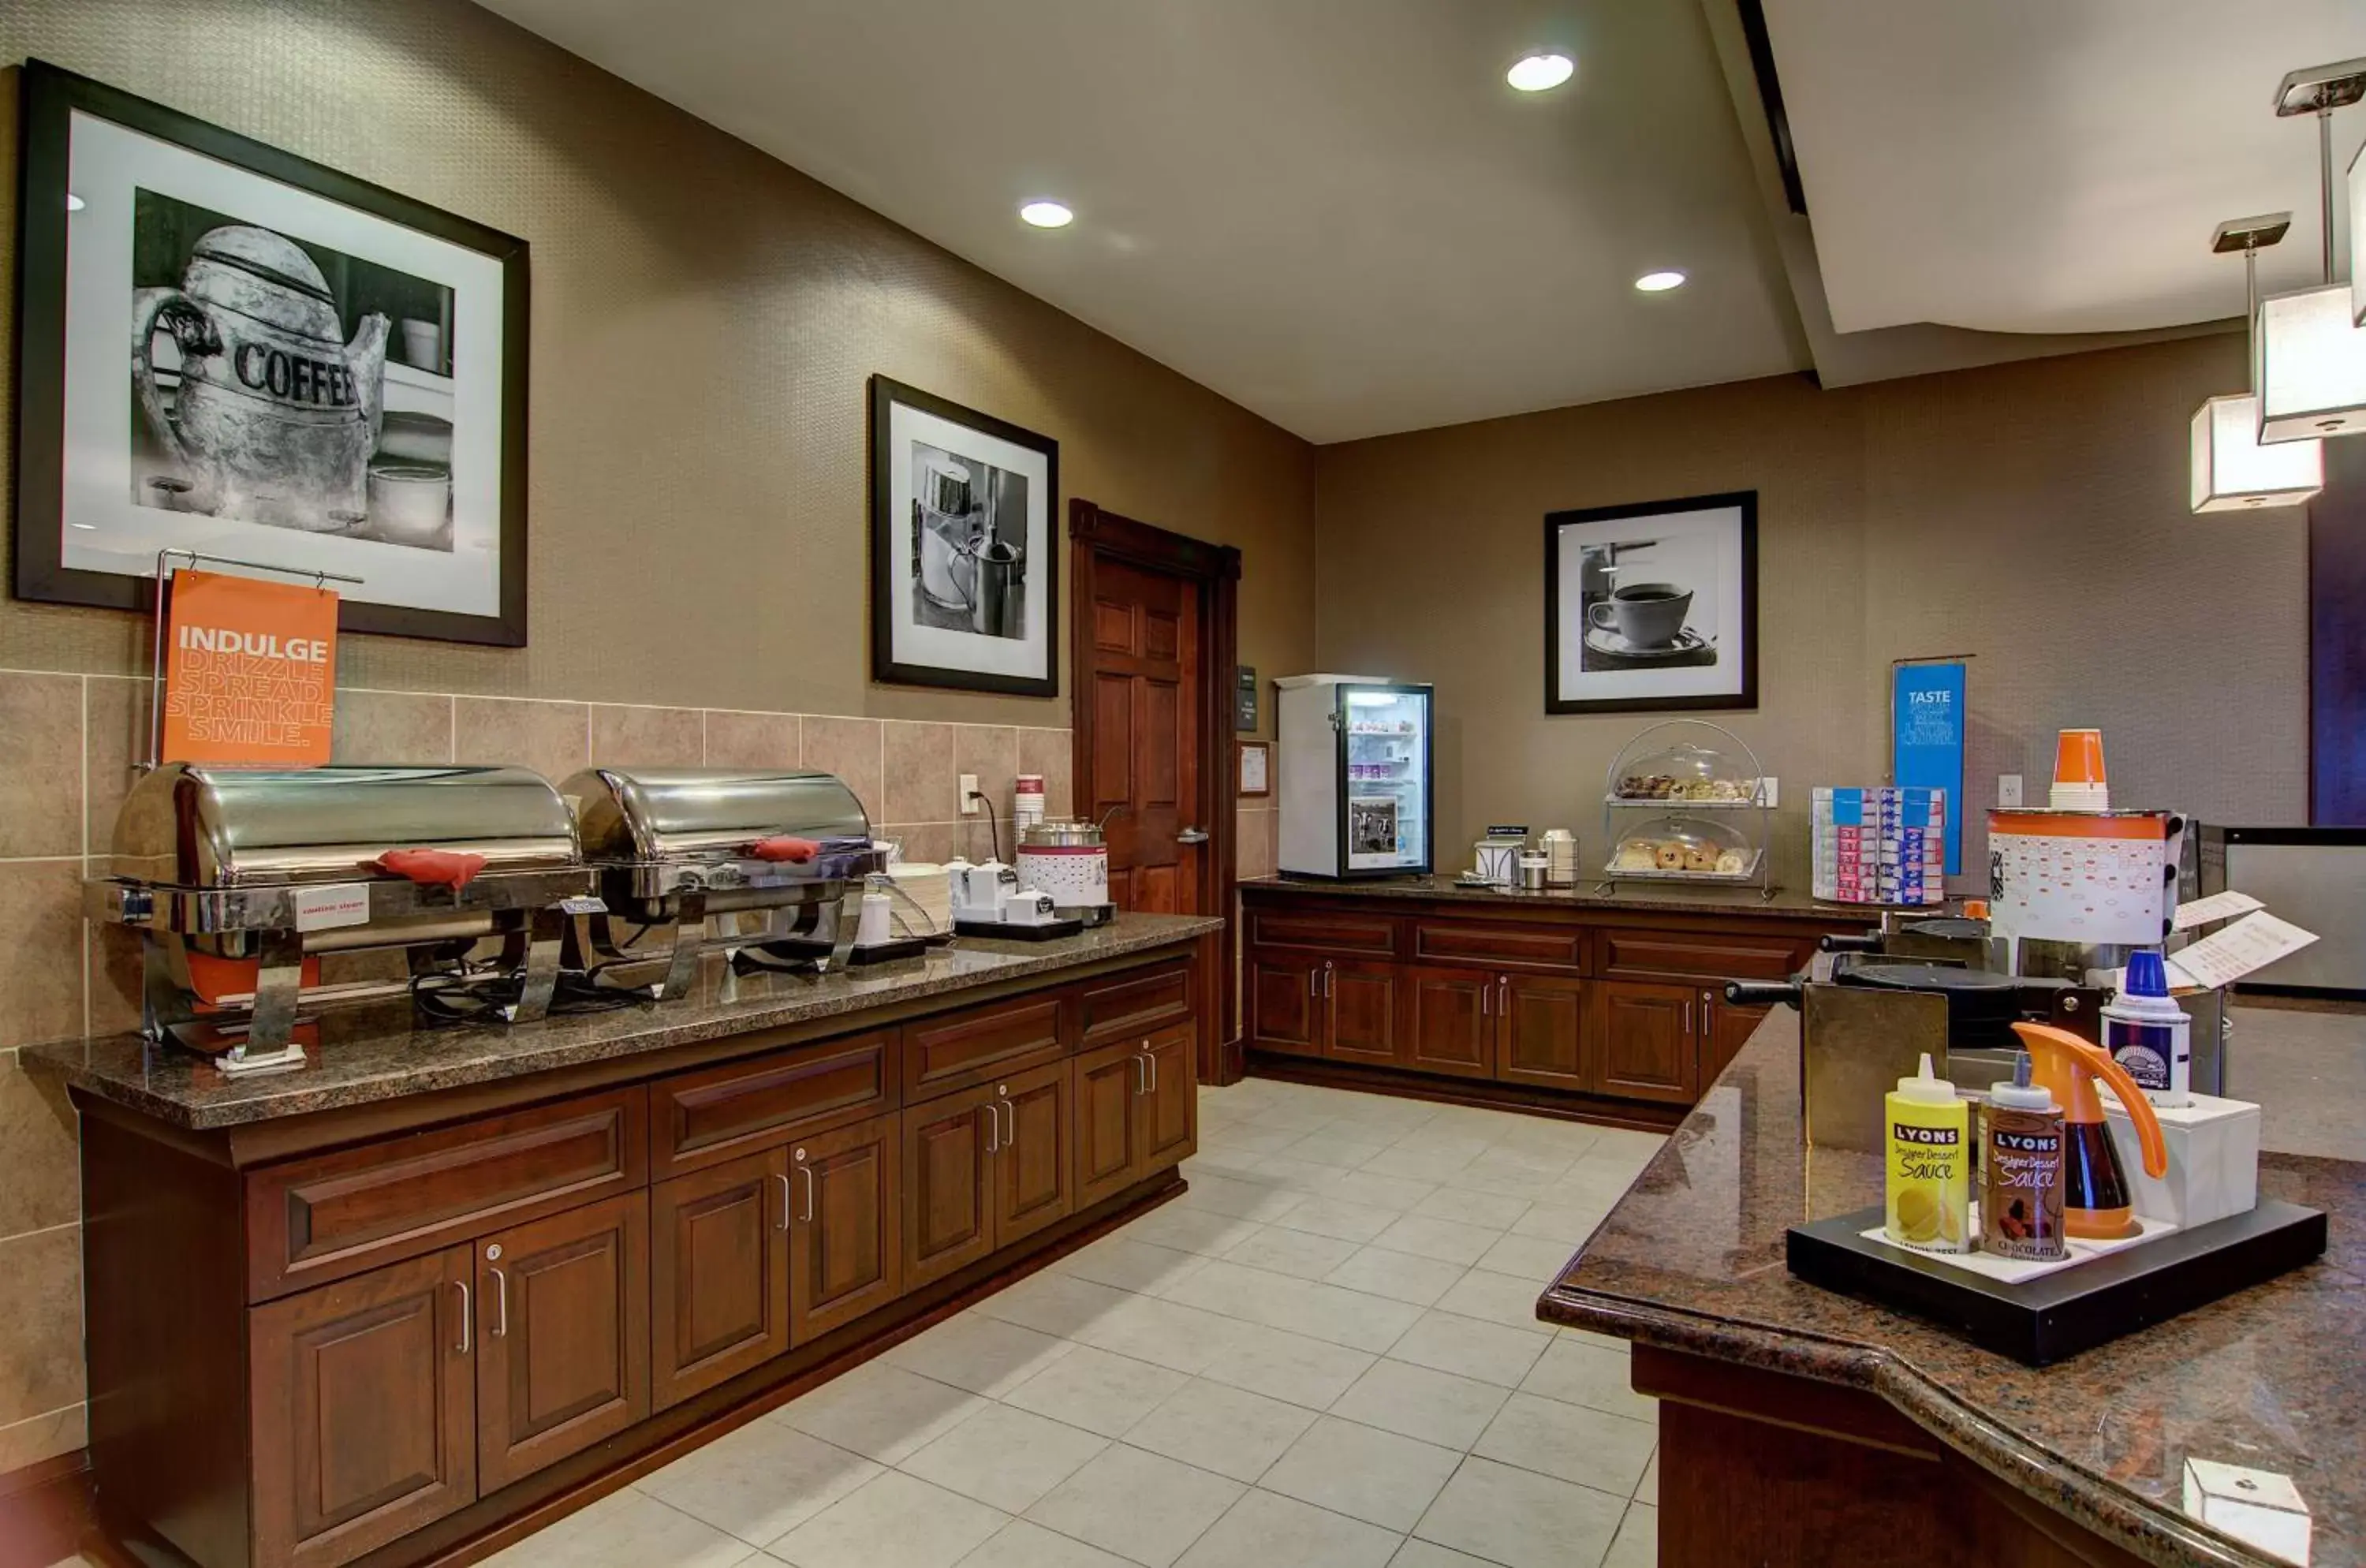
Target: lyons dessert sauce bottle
{"x":2021,"y":1170}
{"x":1930,"y":1164}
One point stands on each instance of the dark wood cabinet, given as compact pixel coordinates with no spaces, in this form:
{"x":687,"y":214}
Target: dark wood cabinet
{"x":701,"y":1118}
{"x":1451,"y":1023}
{"x":1034,"y":1157}
{"x":1284,"y":1010}
{"x":1110,"y":1085}
{"x":846,"y":1256}
{"x":981,"y":1042}
{"x":1724,"y":1031}
{"x":1644,"y":1034}
{"x":1360,"y":1000}
{"x":1170,"y":1121}
{"x":562,"y":1337}
{"x":364,"y":1401}
{"x":718,"y":1274}
{"x":1540,"y":1031}
{"x":948,"y":1183}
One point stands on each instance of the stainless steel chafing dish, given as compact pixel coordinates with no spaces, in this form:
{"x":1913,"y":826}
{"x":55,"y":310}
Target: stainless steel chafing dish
{"x":236,"y":877}
{"x":756,"y":862}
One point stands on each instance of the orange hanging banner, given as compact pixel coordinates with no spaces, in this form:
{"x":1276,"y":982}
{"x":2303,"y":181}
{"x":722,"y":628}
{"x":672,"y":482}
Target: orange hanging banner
{"x":251,"y":672}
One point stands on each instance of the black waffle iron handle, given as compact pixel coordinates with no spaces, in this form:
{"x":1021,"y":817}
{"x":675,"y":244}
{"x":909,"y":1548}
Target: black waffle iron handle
{"x":1831,"y":941}
{"x":1763,"y":993}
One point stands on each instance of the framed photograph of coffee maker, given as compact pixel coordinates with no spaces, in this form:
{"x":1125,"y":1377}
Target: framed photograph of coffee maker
{"x":1652,"y":607}
{"x":964,"y":569}
{"x":226,"y":348}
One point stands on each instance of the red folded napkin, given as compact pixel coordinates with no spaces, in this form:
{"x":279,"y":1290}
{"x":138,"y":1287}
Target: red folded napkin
{"x":787,"y":849}
{"x":433,"y":868}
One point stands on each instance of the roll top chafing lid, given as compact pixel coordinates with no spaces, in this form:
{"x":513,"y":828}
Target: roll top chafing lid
{"x":192,"y":826}
{"x":666,"y":814}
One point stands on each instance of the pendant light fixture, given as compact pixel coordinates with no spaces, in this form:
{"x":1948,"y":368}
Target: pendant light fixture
{"x":2232,"y":471}
{"x":2309,"y":354}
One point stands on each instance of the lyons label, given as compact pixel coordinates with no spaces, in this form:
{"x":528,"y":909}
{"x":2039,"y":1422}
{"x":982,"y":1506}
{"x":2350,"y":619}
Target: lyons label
{"x":1937,"y":1136}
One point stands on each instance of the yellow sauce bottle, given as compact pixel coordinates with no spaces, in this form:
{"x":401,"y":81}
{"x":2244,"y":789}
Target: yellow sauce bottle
{"x":1929,"y":1186}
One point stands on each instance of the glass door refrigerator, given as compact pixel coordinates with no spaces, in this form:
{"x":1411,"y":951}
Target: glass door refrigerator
{"x":1357,"y":799}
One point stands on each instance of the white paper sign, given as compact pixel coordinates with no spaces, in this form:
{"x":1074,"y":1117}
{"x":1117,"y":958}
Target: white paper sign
{"x":2217,"y":907}
{"x":2252,"y":943}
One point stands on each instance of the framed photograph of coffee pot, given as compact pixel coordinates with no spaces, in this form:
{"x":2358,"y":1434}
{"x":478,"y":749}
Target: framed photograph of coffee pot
{"x":964,"y":569}
{"x":226,"y":348}
{"x":1652,"y":607}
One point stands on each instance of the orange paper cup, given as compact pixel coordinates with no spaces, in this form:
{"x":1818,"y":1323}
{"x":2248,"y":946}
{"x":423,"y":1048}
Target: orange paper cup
{"x":2078,"y":758}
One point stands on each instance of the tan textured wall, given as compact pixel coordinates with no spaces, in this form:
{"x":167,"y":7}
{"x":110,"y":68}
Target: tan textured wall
{"x":2031,"y":514}
{"x":704,"y":322}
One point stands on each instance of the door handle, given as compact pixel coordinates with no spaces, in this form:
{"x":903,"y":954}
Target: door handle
{"x":1004,"y":1108}
{"x":1141,"y":1083}
{"x":1503,"y":995}
{"x":1486,"y":1000}
{"x":1328,"y":979}
{"x":1148,"y":1056}
{"x":1688,"y":1015}
{"x":993,"y":1129}
{"x":806,"y":1171}
{"x":501,"y":1300}
{"x":1192,"y":836}
{"x":468,"y":1316}
{"x":785,"y":1204}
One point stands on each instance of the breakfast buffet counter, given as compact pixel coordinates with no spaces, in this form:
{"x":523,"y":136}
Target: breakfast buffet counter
{"x":1799,"y":1425}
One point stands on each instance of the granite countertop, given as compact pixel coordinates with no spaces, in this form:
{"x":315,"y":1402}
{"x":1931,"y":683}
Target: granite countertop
{"x":1636,"y":898}
{"x":373,"y":1054}
{"x":2272,"y":1378}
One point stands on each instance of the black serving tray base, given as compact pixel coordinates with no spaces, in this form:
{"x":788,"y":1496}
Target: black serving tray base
{"x":2057,"y":1315}
{"x":1045,"y":930}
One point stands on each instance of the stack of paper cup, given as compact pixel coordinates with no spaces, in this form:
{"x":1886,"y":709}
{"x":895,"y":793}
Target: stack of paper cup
{"x":2078,"y":781}
{"x":1028,"y":800}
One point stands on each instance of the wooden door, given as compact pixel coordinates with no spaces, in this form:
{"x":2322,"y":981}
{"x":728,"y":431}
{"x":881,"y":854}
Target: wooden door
{"x":1541,"y":1035}
{"x":1359,"y":1003}
{"x":1644,"y":1036}
{"x":845,"y":1234}
{"x":1169,"y":1123}
{"x":1144,"y":651}
{"x":1285,"y":1004}
{"x":1112,"y":1083}
{"x":362,"y":1397}
{"x":948,"y":1184}
{"x":1726,"y":1030}
{"x":563,"y":1337}
{"x":718,"y":1274}
{"x":1034,"y":1167}
{"x":1450,"y":1026}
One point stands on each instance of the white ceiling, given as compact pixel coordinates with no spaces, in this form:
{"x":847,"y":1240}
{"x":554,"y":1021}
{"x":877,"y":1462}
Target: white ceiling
{"x":2053,"y":166}
{"x":1332,"y":211}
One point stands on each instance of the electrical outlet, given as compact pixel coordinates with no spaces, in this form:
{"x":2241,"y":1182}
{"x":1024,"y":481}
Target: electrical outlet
{"x":2008,"y":789}
{"x":969,"y":795}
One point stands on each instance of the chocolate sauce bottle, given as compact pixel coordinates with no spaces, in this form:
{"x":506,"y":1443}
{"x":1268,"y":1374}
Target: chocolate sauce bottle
{"x":2021,"y":1170}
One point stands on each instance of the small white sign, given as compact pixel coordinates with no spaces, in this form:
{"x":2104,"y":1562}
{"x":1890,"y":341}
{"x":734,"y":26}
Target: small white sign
{"x":321,"y":909}
{"x":2217,"y":907}
{"x":2252,"y":943}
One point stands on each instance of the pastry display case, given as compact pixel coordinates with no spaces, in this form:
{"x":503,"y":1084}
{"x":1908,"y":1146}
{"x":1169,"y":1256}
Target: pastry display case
{"x":1686,"y":801}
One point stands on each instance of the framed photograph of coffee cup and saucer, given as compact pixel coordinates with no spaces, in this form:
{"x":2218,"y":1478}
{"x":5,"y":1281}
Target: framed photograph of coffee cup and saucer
{"x":229,"y":349}
{"x":1652,"y":607}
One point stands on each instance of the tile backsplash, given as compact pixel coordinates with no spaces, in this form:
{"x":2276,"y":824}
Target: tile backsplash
{"x":67,"y":746}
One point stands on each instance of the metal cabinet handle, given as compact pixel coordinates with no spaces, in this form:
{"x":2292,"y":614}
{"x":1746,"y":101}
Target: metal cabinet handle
{"x":1688,"y":1015}
{"x":1010,"y":1128}
{"x":1141,"y":1081}
{"x":806,"y":1171}
{"x":1503,"y":995}
{"x":785,"y":1200}
{"x":1329,"y":979}
{"x":993,"y":1129}
{"x":501,"y":1299}
{"x":468,"y":1316}
{"x":1486,"y":1000}
{"x":1191,"y":836}
{"x":1152,"y":1058}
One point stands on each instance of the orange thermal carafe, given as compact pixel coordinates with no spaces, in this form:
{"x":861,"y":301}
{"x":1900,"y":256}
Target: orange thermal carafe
{"x":2096,"y":1203}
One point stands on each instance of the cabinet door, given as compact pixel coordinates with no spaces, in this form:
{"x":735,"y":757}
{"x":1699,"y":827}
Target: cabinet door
{"x":1169,"y":1123}
{"x":1360,"y":999}
{"x":1728,"y":1029}
{"x":1035,"y":1169}
{"x":1644,"y":1034}
{"x":845,"y":1252}
{"x":718,"y":1274}
{"x":1452,"y":1027}
{"x":1284,"y":1012}
{"x":362,"y":1397}
{"x":948,"y":1185}
{"x":1541,"y":1033}
{"x":1111,"y":1084}
{"x":563,"y":1337}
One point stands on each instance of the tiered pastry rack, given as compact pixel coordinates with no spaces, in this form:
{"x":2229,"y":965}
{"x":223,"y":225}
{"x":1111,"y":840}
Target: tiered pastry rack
{"x":1749,"y":807}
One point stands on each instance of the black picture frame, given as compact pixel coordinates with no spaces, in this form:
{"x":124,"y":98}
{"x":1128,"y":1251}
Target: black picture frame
{"x":886,"y":668}
{"x":1743,"y":698}
{"x":50,"y":98}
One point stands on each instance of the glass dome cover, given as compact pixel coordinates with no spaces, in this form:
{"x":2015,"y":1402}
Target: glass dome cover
{"x":1685,"y":772}
{"x":1684,"y":846}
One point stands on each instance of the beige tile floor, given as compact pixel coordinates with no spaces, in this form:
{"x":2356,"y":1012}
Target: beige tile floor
{"x":1325,"y":1355}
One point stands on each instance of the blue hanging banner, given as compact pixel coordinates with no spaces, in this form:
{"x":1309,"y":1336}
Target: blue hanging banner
{"x":1926,"y":741}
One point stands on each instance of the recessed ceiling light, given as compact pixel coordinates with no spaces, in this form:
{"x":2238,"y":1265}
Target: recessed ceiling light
{"x":74,"y":203}
{"x":1659,"y":282}
{"x":1047,"y":214}
{"x":1538,"y":72}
